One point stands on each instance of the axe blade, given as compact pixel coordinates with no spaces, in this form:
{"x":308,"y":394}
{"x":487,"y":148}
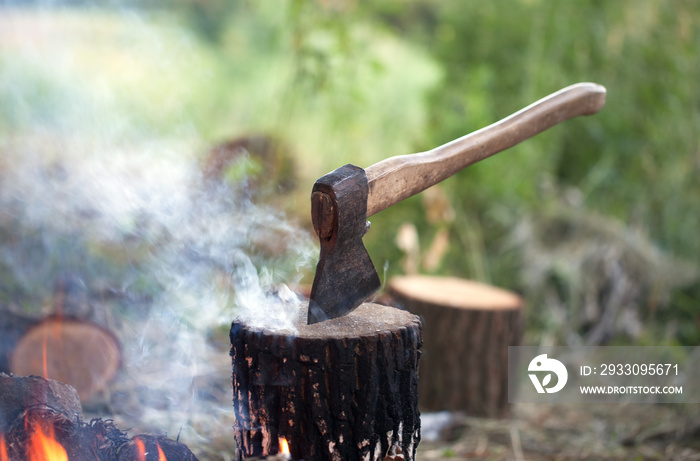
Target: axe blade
{"x":344,"y":279}
{"x":345,"y":275}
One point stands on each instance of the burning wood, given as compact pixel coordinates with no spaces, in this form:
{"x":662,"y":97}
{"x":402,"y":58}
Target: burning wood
{"x":149,"y":447}
{"x":344,"y":389}
{"x":283,"y":455}
{"x":17,"y":394}
{"x":41,"y":420}
{"x":45,"y":434}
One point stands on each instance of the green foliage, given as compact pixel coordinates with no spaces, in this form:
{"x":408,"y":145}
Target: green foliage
{"x":356,"y":82}
{"x":636,"y":161}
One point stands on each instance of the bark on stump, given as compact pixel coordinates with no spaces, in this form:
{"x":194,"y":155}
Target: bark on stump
{"x":345,"y":389}
{"x":467,"y":329}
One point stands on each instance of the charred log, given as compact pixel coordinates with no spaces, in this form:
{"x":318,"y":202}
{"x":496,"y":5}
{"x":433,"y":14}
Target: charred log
{"x":37,"y":414}
{"x":18,"y":394}
{"x":80,"y":441}
{"x":344,"y":389}
{"x":150,"y":447}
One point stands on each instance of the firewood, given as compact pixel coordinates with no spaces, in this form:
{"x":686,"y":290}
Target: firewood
{"x":98,"y":440}
{"x":150,"y":447}
{"x":468,"y":327}
{"x":31,"y":407}
{"x":74,"y":351}
{"x":17,"y":394}
{"x":343,"y":389}
{"x":80,"y":441}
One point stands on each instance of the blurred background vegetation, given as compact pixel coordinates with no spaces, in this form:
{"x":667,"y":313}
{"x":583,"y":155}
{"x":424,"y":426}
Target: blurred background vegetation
{"x":595,"y":222}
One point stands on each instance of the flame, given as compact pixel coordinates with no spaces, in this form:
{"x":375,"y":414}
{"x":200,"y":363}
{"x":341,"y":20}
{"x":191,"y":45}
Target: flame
{"x":140,"y":450}
{"x":51,"y":340}
{"x":44,"y":447}
{"x":161,"y":455}
{"x":3,"y":449}
{"x":45,"y":356}
{"x":284,"y":446}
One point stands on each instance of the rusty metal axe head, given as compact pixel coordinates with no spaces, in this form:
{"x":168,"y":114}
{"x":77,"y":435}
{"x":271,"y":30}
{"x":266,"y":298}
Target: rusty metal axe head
{"x":343,"y":199}
{"x":345,"y":275}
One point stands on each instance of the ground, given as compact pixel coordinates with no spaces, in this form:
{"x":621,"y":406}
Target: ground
{"x":573,"y":432}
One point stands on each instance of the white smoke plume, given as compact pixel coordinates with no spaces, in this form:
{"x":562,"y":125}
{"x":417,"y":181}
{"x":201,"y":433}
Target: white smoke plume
{"x":166,"y":258}
{"x":146,"y":227}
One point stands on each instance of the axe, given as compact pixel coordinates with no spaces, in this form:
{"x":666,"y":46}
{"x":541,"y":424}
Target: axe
{"x":342,"y":200}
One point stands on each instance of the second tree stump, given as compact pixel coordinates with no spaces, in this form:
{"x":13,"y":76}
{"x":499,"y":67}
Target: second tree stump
{"x":344,"y":389}
{"x":467,"y":329}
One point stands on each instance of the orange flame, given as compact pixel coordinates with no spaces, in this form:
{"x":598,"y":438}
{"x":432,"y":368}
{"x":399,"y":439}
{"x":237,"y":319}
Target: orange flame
{"x":45,"y":356}
{"x":161,"y":455}
{"x":140,"y":450}
{"x":284,"y":446}
{"x":44,"y":447}
{"x":3,"y":449}
{"x":52,"y":340}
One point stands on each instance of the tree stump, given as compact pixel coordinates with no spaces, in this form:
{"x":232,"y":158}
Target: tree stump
{"x":467,"y":329}
{"x":74,"y":351}
{"x":344,"y":389}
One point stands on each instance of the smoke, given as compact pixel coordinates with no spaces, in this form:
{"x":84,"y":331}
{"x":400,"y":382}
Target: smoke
{"x":147,"y":228}
{"x":167,"y":258}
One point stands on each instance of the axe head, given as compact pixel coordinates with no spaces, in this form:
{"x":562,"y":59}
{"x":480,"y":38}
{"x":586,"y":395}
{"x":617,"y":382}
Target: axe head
{"x":345,"y":275}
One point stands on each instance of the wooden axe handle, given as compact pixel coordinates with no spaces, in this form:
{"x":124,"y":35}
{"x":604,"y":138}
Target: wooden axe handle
{"x":400,"y":177}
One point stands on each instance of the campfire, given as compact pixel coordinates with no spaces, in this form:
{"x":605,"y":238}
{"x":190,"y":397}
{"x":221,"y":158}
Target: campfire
{"x":41,"y":420}
{"x":39,"y":446}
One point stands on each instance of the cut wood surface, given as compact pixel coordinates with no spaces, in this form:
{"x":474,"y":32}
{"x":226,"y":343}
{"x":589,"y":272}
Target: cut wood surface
{"x":454,"y":292}
{"x":467,"y":328}
{"x":77,"y":352}
{"x":343,"y":389}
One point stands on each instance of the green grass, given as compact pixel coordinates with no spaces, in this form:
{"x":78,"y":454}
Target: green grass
{"x":636,"y":162}
{"x":356,"y":83}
